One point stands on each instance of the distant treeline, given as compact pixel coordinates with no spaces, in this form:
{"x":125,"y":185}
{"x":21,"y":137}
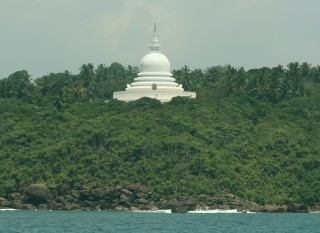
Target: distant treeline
{"x":269,"y":84}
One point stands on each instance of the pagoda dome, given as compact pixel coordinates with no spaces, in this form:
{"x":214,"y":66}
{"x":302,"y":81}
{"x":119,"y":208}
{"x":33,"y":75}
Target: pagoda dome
{"x":155,"y":62}
{"x":154,"y":79}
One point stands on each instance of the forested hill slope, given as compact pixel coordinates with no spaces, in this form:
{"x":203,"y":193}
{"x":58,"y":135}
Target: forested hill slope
{"x":253,"y":149}
{"x":262,"y":150}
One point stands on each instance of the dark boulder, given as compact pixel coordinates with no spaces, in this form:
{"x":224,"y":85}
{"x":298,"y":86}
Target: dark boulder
{"x":121,"y":208}
{"x":124,"y":198}
{"x":92,"y":194}
{"x":180,"y":209}
{"x":70,"y":198}
{"x":38,"y":194}
{"x":142,"y":195}
{"x":71,"y":206}
{"x":62,"y":190}
{"x":98,"y":194}
{"x":75,"y":193}
{"x":27,"y":207}
{"x":15,"y":196}
{"x":84,"y":195}
{"x":141,"y":201}
{"x":42,"y":207}
{"x":126,"y":192}
{"x":4,"y":202}
{"x":184,"y":205}
{"x":253,"y":207}
{"x":171,"y":204}
{"x":16,"y":205}
{"x":61,"y":199}
{"x":274,"y":208}
{"x":137,"y":188}
{"x":297,"y":208}
{"x":105,"y":205}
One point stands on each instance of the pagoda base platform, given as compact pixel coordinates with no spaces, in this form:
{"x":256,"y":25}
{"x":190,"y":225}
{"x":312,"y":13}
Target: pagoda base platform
{"x":162,"y":96}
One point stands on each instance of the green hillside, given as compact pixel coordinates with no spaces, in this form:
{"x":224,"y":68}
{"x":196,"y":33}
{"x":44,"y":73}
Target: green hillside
{"x":255,"y":134}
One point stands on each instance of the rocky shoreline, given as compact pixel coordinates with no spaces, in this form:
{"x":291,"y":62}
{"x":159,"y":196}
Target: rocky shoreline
{"x":133,"y":197}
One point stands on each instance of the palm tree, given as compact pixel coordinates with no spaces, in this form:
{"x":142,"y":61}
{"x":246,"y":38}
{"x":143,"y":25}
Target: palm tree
{"x":19,"y":84}
{"x":87,"y":75}
{"x":197,"y":79}
{"x":305,"y":70}
{"x":294,"y":72}
{"x":213,"y":74}
{"x":5,"y":88}
{"x":25,"y":95}
{"x":116,"y":71}
{"x":101,"y":73}
{"x":45,"y":85}
{"x":229,"y":80}
{"x":315,"y":74}
{"x":198,"y":73}
{"x":132,"y":71}
{"x":177,"y":75}
{"x":58,"y":103}
{"x":78,"y":93}
{"x":186,"y":76}
{"x":241,"y":80}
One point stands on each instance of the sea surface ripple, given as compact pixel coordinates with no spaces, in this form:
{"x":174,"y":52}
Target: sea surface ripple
{"x":112,"y":221}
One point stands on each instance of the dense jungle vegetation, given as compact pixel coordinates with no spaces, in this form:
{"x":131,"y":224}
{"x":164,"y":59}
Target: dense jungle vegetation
{"x":252,"y":133}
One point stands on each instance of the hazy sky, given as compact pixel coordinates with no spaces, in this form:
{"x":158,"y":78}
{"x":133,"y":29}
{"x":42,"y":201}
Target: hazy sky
{"x":43,"y":36}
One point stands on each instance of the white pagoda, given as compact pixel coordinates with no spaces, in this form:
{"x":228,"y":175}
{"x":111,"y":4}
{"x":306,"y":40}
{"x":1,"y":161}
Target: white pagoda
{"x":154,"y":80}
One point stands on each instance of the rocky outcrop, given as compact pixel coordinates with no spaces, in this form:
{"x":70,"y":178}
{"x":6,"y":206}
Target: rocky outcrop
{"x":274,"y":208}
{"x":133,"y":197}
{"x":297,"y":208}
{"x":5,"y":203}
{"x":38,"y":193}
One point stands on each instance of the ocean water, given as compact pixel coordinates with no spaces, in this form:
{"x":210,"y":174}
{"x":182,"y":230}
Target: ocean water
{"x":112,"y":221}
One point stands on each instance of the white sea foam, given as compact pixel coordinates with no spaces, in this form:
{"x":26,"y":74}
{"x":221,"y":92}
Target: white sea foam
{"x":154,"y":211}
{"x":315,"y":212}
{"x":248,"y":212}
{"x":215,"y":211}
{"x":8,"y":209}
